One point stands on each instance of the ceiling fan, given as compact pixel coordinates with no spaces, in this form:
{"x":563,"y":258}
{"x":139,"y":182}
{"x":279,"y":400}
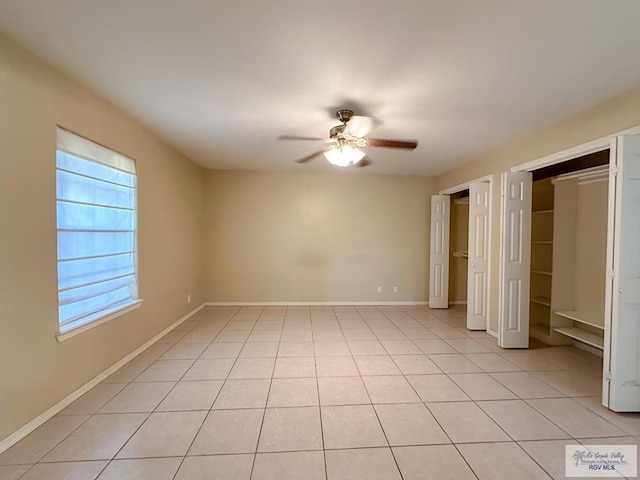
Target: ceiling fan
{"x":344,"y":144}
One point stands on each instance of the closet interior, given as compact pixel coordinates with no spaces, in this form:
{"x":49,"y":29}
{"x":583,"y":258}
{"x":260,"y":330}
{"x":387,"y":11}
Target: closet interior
{"x":568,"y":252}
{"x":458,"y":248}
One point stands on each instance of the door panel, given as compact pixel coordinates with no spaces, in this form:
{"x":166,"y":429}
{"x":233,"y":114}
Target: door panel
{"x":515,"y":260}
{"x":478,"y":272}
{"x":621,"y":383}
{"x":439,"y":252}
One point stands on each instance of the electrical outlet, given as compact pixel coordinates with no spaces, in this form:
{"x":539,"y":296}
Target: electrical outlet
{"x":379,"y":289}
{"x":395,"y":289}
{"x":189,"y":298}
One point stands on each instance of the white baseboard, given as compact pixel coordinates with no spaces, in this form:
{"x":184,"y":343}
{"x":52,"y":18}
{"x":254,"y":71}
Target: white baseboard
{"x":69,"y":399}
{"x":309,"y":304}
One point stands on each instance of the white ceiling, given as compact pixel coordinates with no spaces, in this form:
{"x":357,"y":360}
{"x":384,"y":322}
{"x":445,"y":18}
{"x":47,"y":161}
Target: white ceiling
{"x":221,"y":80}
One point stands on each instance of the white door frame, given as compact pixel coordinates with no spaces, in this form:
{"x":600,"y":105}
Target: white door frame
{"x":597,"y":145}
{"x":465,"y":186}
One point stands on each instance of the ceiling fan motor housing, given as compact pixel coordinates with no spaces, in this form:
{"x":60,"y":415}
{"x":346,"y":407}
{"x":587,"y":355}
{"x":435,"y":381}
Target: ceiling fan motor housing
{"x":344,"y":115}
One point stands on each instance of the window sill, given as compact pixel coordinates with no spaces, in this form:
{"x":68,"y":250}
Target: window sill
{"x":82,"y":325}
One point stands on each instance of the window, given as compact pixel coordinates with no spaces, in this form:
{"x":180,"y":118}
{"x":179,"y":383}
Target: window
{"x":96,"y":212}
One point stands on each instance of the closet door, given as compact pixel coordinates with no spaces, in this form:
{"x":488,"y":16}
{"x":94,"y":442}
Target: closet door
{"x":515,"y":260}
{"x":439,"y":252}
{"x":478,"y":272}
{"x":621,"y":383}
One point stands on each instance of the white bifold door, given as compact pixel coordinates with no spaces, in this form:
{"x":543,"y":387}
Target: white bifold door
{"x":439,"y":252}
{"x":515,"y":259}
{"x":621,"y":383}
{"x":478,"y":271}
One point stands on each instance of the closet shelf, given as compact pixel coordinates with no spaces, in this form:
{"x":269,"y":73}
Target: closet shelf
{"x":538,"y":212}
{"x":582,"y":336}
{"x":575,"y":316}
{"x":540,"y":272}
{"x":542,"y":300}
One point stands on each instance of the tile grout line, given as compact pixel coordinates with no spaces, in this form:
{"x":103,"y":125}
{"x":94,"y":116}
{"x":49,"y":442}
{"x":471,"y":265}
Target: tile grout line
{"x":554,"y":423}
{"x":266,"y":401}
{"x":533,"y":459}
{"x":315,"y":366}
{"x":379,"y":422}
{"x":431,"y":413}
{"x":425,"y":403}
{"x":184,"y":457}
{"x":493,"y":420}
{"x":447,"y":434}
{"x":520,"y":399}
{"x":235,"y":360}
{"x":435,"y":418}
{"x":216,"y":397}
{"x":515,"y":441}
{"x":51,"y":449}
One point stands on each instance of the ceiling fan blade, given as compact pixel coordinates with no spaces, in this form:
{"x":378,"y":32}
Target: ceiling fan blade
{"x":310,"y":157}
{"x":295,"y":137}
{"x":378,"y":142}
{"x":360,"y":126}
{"x":365,"y":162}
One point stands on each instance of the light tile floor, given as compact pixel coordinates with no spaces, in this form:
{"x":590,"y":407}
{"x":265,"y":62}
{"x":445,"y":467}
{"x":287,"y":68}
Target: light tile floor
{"x":331,"y":393}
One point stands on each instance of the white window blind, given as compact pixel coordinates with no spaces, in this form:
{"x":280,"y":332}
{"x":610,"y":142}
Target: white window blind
{"x":96,"y":214}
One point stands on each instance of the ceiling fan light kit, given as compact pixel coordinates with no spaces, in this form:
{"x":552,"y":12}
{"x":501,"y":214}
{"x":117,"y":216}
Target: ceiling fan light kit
{"x":343,"y":156}
{"x":343,"y":148}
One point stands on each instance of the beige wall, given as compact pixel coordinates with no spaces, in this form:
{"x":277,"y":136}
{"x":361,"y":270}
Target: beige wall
{"x":278,"y":237}
{"x":617,"y":114}
{"x":35,"y":370}
{"x":458,"y":241}
{"x":591,"y":250}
